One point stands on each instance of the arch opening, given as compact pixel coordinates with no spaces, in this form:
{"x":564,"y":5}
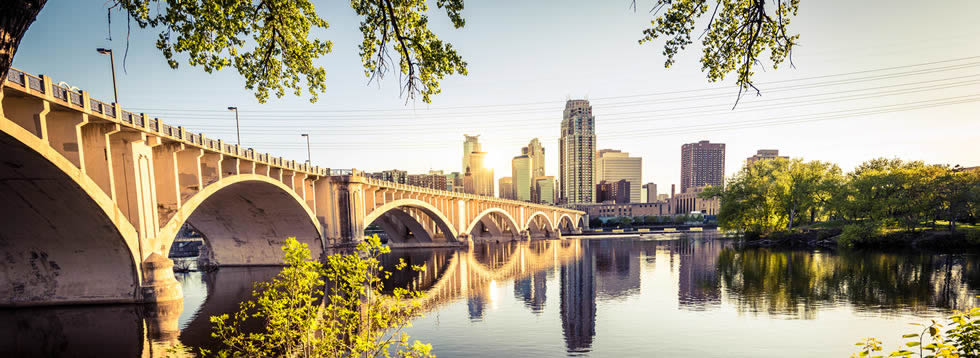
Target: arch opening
{"x":246,"y":222}
{"x":494,"y":225}
{"x":409,"y":222}
{"x":58,"y":243}
{"x":539,"y":227}
{"x":565,"y":225}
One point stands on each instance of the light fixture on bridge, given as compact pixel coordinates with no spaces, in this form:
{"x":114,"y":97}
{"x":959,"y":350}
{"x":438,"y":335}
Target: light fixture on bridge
{"x":112,"y":64}
{"x":238,"y":133}
{"x":309,"y":157}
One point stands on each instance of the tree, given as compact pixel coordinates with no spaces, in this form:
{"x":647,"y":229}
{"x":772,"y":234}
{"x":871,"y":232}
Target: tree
{"x":737,"y":33}
{"x":268,"y":42}
{"x":355,"y":319}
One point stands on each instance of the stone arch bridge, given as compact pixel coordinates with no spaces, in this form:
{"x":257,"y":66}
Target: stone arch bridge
{"x":93,"y":197}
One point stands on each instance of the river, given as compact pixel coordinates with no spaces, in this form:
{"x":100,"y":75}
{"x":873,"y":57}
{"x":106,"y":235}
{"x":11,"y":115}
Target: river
{"x":694,"y":295}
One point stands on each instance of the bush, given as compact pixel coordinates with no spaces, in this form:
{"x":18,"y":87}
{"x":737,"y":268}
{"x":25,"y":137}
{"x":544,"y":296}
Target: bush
{"x":858,"y":233}
{"x":355,"y":321}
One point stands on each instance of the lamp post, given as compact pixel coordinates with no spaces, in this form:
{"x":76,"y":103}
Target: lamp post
{"x":238,"y":133}
{"x":112,"y":63}
{"x":309,"y":157}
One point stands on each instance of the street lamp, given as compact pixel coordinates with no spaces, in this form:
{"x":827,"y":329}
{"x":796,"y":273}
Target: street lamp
{"x":237,"y":132}
{"x":309,"y":157}
{"x":112,"y":63}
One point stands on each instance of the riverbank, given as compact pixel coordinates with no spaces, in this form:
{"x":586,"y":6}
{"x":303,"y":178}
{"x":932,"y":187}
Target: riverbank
{"x":965,"y":238}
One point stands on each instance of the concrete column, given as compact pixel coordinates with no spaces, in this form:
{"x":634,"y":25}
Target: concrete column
{"x":64,"y":133}
{"x":166,"y":179}
{"x":95,"y":140}
{"x":135,"y":191}
{"x":190,"y":180}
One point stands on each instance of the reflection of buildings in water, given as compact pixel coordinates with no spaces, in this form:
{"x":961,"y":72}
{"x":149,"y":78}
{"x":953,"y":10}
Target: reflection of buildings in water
{"x":617,"y":268}
{"x":698,"y":282}
{"x":475,"y":272}
{"x":578,"y":301}
{"x":475,"y":305}
{"x":533,"y":291}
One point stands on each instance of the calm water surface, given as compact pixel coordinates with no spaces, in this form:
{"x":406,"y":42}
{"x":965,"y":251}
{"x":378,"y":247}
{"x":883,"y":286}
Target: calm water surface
{"x":670,"y":296}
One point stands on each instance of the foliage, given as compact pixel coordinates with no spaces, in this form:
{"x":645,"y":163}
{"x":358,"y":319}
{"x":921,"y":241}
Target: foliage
{"x":779,"y":195}
{"x":268,"y":42}
{"x":354,"y":320}
{"x":737,"y":33}
{"x":858,"y":232}
{"x":961,"y":340}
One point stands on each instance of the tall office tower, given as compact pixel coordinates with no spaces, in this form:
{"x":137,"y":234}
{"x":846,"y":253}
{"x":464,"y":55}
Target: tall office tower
{"x":702,"y":164}
{"x":614,"y":165}
{"x":763,"y":154}
{"x":505,"y":187}
{"x":544,"y":190}
{"x":577,"y":150}
{"x":521,"y":174}
{"x":482,"y":177}
{"x":651,"y":192}
{"x":471,"y":143}
{"x":536,"y":152}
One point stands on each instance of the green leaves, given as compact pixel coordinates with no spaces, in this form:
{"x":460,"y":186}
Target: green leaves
{"x":403,"y":26}
{"x":268,"y":42}
{"x":355,"y":319}
{"x":737,"y":33}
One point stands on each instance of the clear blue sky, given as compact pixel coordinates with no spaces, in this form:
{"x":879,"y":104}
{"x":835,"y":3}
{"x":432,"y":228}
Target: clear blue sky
{"x":526,"y":57}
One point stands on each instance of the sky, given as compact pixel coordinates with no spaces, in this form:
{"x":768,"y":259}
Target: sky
{"x":873,"y":78}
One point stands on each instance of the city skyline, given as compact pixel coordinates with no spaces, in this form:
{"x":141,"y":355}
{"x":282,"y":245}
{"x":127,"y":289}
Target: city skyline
{"x":498,"y":101}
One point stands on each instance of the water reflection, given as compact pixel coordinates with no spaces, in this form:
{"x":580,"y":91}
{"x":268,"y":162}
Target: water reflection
{"x":568,"y":297}
{"x":798,"y":283}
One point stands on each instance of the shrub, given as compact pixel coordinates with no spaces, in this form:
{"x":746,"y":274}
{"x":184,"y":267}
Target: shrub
{"x":355,"y":320}
{"x":858,"y":233}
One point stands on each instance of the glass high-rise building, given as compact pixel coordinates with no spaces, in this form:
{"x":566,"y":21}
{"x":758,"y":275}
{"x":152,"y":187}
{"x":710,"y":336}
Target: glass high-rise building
{"x":521,"y":175}
{"x":577,"y":150}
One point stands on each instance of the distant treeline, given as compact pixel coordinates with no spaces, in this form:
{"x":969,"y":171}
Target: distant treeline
{"x":778,"y":195}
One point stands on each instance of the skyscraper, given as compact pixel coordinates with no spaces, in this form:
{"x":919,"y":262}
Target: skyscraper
{"x":521,"y":174}
{"x":481,"y":178}
{"x":471,"y":143}
{"x":535,"y":151}
{"x":577,"y":150}
{"x":702,"y":163}
{"x":614,"y":165}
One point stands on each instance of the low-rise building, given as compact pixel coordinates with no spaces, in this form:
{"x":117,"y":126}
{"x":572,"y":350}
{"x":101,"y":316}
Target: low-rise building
{"x":617,"y":191}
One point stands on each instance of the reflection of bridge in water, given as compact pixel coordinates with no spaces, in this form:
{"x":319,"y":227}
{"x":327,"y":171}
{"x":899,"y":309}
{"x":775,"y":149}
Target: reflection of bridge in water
{"x":452,"y":274}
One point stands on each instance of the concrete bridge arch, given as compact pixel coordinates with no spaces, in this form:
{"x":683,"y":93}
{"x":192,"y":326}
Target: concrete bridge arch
{"x":64,"y":239}
{"x":403,"y":226}
{"x":245,"y":219}
{"x":486,"y":219}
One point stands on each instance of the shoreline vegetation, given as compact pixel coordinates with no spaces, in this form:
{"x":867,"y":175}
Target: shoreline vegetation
{"x":882,"y":204}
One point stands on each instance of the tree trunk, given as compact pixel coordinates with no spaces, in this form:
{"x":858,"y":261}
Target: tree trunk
{"x":792,"y":215}
{"x":15,"y":17}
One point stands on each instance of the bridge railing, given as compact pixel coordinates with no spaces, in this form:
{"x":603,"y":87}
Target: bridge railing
{"x":385,"y":183}
{"x":111,"y":112}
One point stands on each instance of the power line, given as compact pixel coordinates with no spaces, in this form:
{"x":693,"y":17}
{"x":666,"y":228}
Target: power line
{"x":597,"y":99}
